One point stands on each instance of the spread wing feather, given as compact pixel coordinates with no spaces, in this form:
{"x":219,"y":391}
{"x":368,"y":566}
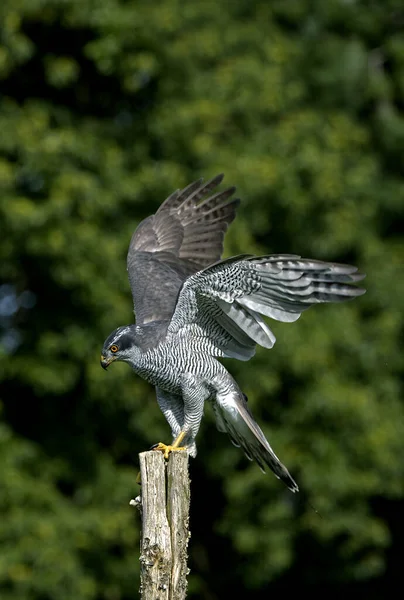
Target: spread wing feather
{"x":184,"y":235}
{"x":243,"y":288}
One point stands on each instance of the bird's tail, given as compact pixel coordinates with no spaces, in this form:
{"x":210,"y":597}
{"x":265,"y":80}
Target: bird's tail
{"x":234,"y":417}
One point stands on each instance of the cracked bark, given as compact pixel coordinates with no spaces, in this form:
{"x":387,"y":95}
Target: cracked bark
{"x":164,"y":509}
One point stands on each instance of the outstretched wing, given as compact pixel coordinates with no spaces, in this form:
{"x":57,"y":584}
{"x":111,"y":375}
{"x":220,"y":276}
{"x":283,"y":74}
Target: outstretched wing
{"x":223,"y":303}
{"x":185,"y":235}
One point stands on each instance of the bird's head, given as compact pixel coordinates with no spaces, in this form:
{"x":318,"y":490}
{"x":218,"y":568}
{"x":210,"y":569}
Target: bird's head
{"x":120,"y":345}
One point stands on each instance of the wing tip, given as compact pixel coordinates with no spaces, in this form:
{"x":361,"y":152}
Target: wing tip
{"x":218,"y":178}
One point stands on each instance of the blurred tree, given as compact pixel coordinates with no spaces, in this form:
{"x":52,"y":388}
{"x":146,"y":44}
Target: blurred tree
{"x":105,"y":108}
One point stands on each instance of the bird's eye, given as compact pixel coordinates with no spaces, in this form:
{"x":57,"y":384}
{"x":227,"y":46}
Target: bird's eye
{"x":114,"y":348}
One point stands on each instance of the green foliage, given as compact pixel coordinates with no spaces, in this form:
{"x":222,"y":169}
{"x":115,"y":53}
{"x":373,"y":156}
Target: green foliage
{"x":106,"y":107}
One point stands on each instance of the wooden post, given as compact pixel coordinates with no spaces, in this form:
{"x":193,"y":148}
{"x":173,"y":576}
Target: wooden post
{"x":164,"y":509}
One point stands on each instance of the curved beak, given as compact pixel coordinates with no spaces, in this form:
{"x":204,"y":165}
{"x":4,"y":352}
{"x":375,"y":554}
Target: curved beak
{"x":106,"y":361}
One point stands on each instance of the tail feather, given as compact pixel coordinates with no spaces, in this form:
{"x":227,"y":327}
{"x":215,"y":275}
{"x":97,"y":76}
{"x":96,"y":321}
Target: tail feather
{"x":234,"y":417}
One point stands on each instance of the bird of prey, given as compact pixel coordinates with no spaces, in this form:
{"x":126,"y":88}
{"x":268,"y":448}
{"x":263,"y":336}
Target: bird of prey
{"x":193,"y":308}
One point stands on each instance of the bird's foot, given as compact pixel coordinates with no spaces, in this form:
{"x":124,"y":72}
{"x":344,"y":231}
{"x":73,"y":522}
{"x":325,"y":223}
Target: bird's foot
{"x":167,"y":449}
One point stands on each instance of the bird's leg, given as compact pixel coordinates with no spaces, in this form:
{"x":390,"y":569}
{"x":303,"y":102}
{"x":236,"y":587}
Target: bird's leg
{"x":194,"y":394}
{"x":172,"y":406}
{"x":174,"y":447}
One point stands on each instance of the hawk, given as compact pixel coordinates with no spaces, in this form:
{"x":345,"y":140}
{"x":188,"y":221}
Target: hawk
{"x":193,"y":308}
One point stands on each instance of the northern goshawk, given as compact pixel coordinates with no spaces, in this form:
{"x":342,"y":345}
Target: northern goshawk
{"x":191,"y":309}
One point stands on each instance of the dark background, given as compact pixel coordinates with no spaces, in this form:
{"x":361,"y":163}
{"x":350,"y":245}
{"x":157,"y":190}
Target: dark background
{"x":106,"y":107}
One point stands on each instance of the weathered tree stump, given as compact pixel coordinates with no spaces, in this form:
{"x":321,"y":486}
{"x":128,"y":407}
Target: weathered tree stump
{"x":164,"y":508}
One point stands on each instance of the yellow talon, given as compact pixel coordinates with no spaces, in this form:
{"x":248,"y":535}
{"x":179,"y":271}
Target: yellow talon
{"x":167,"y":449}
{"x":171,"y":447}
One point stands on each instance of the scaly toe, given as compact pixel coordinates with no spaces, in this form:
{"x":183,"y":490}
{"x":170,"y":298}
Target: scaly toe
{"x":170,"y":449}
{"x":167,"y":449}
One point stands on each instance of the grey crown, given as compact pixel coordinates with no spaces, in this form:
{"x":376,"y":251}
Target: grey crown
{"x":191,"y":309}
